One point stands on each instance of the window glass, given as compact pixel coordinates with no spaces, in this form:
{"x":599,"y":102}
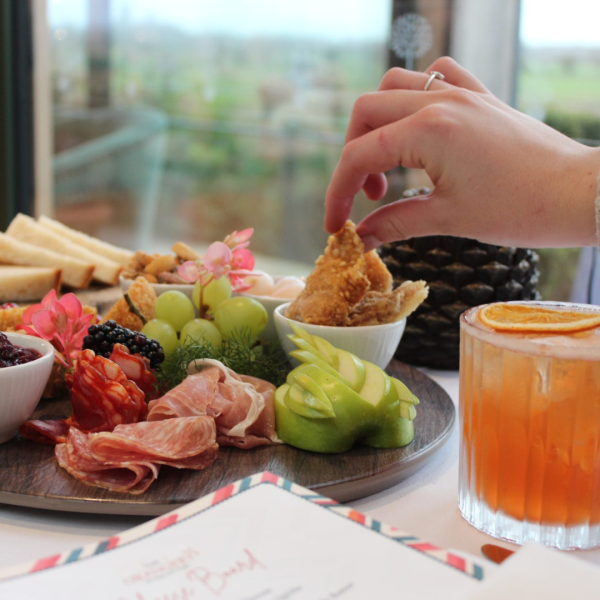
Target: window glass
{"x":559,"y":83}
{"x":188,"y":119}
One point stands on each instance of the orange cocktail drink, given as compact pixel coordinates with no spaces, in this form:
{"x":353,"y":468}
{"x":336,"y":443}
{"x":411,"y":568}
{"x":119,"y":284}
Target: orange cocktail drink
{"x":530,"y":422}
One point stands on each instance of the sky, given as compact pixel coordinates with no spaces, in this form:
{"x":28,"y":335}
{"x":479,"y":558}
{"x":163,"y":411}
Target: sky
{"x":543,"y":22}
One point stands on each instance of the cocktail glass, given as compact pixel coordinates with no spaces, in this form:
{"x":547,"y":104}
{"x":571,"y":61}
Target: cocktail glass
{"x":530,"y":433}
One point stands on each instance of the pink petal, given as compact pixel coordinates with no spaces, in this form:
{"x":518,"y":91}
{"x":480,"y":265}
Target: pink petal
{"x":48,"y":299}
{"x":28,"y":330}
{"x":242,"y":259}
{"x":29,"y":313}
{"x":217,"y":256}
{"x":44,"y":324}
{"x":72,"y":306}
{"x":189,"y":271}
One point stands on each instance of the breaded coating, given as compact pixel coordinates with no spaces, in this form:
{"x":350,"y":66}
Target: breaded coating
{"x":143,"y":296}
{"x":11,"y":317}
{"x":338,"y":281}
{"x":379,"y":277}
{"x":379,"y":307}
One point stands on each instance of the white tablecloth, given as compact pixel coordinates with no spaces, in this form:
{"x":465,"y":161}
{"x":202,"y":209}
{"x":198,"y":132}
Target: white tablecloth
{"x":425,"y":505}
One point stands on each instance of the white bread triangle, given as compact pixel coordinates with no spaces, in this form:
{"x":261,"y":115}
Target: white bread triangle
{"x":23,"y":284}
{"x":24,"y":228}
{"x":114,"y":253}
{"x":75,"y":272}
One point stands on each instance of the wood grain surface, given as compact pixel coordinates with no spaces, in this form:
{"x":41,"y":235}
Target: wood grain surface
{"x":30,"y":475}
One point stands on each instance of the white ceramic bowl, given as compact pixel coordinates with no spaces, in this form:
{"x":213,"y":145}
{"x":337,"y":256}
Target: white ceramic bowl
{"x":375,"y":343}
{"x":160,"y":288}
{"x":22,"y":385}
{"x":270,"y":332}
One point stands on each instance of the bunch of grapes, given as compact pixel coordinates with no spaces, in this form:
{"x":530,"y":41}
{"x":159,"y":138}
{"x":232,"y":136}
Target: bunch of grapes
{"x":175,"y":321}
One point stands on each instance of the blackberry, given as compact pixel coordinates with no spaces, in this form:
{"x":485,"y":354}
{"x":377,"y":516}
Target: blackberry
{"x":101,"y":339}
{"x":460,"y":273}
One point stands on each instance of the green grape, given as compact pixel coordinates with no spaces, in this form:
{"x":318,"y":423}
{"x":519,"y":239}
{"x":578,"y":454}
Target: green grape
{"x":163,"y":332}
{"x":213,"y":293}
{"x":174,"y":307}
{"x":199,"y":330}
{"x":240,"y":313}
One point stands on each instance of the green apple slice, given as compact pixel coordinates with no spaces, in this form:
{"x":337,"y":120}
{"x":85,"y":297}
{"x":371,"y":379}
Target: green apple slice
{"x":377,"y":384}
{"x":351,"y":368}
{"x":304,"y":345}
{"x":318,"y":398}
{"x":304,"y":356}
{"x":407,"y":410}
{"x":404,"y":393}
{"x":328,"y":351}
{"x":301,"y":333}
{"x":302,"y":402}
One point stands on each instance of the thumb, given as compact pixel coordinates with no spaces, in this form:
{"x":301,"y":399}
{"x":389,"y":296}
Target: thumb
{"x":403,"y":219}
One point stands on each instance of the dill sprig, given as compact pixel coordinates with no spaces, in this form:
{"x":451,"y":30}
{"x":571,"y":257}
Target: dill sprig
{"x":265,"y":361}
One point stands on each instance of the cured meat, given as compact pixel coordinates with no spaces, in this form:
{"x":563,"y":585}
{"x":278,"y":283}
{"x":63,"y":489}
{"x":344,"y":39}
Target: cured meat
{"x":50,"y":432}
{"x":135,"y":368}
{"x":193,"y":397}
{"x":259,"y":433}
{"x":102,"y":396}
{"x":185,"y":443}
{"x":242,"y":406}
{"x":75,"y":457}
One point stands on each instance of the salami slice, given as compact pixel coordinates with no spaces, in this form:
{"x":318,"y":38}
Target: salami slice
{"x":49,"y":432}
{"x":102,"y":396}
{"x":135,"y":368}
{"x":185,"y":443}
{"x":75,"y":457}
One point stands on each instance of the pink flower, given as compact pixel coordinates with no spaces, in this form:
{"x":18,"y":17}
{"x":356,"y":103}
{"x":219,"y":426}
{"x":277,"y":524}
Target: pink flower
{"x":217,"y":259}
{"x":229,"y":258}
{"x":239,"y":238}
{"x":61,"y":322}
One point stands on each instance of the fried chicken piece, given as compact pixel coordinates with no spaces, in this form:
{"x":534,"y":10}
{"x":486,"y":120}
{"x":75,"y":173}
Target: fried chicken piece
{"x":379,"y":276}
{"x":338,"y":281}
{"x":380,"y":307}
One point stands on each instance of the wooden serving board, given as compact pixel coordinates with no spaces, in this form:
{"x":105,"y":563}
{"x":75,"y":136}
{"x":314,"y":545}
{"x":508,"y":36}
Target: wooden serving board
{"x":31,"y":477}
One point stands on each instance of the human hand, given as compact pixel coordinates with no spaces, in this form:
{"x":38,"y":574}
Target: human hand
{"x":500,"y":176}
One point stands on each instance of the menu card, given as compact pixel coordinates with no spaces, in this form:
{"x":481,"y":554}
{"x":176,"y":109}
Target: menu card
{"x":262,"y":538}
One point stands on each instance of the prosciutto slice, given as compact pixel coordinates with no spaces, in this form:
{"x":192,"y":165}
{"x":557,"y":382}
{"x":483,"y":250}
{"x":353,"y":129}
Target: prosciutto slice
{"x":242,"y":406}
{"x":193,"y":397}
{"x":185,"y":443}
{"x":75,"y":457}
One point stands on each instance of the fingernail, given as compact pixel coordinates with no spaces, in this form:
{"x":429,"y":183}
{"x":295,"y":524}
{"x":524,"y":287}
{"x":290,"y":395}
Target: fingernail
{"x":370,"y":242}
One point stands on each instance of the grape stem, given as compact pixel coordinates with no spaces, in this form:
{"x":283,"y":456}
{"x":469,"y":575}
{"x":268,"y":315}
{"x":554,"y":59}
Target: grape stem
{"x":134,"y":309}
{"x":201,"y":307}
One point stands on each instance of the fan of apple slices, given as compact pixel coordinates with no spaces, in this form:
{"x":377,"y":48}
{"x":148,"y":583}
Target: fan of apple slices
{"x":334,"y":400}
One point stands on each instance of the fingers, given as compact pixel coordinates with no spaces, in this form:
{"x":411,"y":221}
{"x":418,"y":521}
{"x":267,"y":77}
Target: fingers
{"x":372,"y":111}
{"x":376,"y":152}
{"x":402,"y":79}
{"x":455,"y":75}
{"x":402,"y":220}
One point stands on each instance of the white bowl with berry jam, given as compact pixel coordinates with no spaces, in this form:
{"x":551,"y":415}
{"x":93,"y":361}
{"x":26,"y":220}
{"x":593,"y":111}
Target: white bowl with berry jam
{"x":25,"y":365}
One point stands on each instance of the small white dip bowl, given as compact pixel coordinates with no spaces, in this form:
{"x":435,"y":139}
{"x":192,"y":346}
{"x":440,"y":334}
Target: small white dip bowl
{"x":374,"y":343}
{"x":22,"y":385}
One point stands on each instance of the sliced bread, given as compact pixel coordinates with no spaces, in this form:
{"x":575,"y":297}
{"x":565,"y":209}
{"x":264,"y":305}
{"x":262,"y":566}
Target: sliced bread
{"x":114,"y":253}
{"x":23,"y":284}
{"x":75,"y":272}
{"x":24,"y":228}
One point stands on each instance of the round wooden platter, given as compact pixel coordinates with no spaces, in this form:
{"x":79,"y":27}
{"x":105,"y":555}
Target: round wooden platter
{"x":31,"y":477}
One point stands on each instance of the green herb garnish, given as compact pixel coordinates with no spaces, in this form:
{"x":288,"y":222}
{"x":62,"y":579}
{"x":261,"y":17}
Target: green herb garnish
{"x":265,"y":361}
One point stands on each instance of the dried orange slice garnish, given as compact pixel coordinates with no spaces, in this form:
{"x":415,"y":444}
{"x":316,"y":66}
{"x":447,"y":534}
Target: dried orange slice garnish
{"x":535,"y":318}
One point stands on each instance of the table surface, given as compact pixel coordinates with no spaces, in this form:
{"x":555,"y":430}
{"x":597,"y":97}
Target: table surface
{"x":424,"y":505}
